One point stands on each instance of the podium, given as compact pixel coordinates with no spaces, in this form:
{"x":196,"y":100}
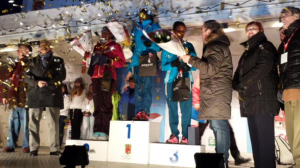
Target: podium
{"x":97,"y":149}
{"x":174,"y":154}
{"x":129,"y":141}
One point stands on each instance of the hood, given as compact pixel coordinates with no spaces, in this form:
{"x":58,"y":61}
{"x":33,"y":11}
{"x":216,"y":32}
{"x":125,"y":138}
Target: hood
{"x":220,"y":39}
{"x":292,"y":28}
{"x":255,"y":40}
{"x":144,"y":23}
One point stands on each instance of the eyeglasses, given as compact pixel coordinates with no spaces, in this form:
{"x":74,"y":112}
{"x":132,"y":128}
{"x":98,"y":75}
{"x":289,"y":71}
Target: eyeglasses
{"x":251,"y":29}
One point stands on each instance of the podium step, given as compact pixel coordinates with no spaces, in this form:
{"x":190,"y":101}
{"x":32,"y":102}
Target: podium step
{"x":129,"y":141}
{"x":97,"y":149}
{"x":174,"y":154}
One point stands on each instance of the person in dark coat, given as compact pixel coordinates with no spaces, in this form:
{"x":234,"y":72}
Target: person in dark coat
{"x":44,"y":78}
{"x":290,"y":77}
{"x":215,"y":83}
{"x":256,"y":81}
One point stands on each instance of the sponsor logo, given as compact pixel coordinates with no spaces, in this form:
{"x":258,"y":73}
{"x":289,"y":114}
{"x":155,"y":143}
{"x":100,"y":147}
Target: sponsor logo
{"x":158,"y":79}
{"x":147,"y":65}
{"x":128,"y":149}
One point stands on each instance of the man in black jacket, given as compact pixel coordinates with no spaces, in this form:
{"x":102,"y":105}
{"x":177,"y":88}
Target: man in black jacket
{"x":290,"y":77}
{"x":44,"y":78}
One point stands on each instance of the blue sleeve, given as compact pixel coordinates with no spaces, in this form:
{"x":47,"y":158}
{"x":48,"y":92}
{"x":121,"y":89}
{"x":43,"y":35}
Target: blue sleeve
{"x":165,"y":64}
{"x":120,"y":104}
{"x":192,"y":53}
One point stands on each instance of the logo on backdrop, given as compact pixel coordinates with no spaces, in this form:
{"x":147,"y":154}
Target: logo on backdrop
{"x":174,"y":158}
{"x":128,"y":149}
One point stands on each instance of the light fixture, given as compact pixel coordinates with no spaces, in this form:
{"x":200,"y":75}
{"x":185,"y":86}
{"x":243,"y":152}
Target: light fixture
{"x":227,"y":30}
{"x":11,"y":1}
{"x":277,"y":24}
{"x":9,"y":49}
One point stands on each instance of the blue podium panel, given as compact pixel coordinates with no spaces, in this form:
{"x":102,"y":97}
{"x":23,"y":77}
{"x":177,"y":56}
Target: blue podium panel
{"x":97,"y":149}
{"x":174,"y":154}
{"x":129,"y":141}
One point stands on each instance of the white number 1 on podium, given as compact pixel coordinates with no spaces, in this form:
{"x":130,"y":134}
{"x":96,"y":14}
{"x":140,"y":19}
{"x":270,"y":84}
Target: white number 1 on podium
{"x":129,"y":129}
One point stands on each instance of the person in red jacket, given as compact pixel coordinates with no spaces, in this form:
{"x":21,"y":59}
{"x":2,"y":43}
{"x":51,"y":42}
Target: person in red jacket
{"x":107,"y":56}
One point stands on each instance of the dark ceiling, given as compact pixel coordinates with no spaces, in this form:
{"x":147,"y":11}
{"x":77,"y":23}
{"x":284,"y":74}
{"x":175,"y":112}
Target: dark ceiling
{"x":8,"y":8}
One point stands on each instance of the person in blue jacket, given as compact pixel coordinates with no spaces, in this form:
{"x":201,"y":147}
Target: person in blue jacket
{"x":174,"y":67}
{"x":128,"y":95}
{"x":143,"y":46}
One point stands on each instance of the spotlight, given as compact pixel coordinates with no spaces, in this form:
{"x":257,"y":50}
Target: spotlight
{"x":11,"y":1}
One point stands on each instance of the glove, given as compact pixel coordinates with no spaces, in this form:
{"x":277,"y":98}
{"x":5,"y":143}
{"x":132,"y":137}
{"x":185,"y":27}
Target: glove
{"x":146,"y":41}
{"x":100,"y":60}
{"x":185,"y":67}
{"x":176,"y":63}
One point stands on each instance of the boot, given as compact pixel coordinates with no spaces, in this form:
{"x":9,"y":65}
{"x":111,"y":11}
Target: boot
{"x":240,"y":160}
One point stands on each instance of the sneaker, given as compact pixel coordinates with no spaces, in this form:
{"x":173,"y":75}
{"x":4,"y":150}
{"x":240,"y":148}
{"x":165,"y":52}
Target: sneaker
{"x":144,"y":116}
{"x":94,"y":138}
{"x":96,"y":134}
{"x":172,"y":140}
{"x":103,"y":136}
{"x":8,"y":149}
{"x":184,"y":140}
{"x":137,"y":116}
{"x":26,"y":150}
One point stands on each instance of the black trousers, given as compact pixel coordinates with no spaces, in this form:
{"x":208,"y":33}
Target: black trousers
{"x":76,"y":120}
{"x":261,"y":128}
{"x":103,"y":105}
{"x":233,"y":146}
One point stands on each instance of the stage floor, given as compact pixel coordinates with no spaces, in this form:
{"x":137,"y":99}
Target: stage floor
{"x":44,"y":160}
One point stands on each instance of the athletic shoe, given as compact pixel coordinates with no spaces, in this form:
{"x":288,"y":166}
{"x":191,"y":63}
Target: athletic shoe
{"x":103,"y":136}
{"x":184,"y":140}
{"x":96,"y":134}
{"x":172,"y":140}
{"x":144,"y":116}
{"x":137,"y":116}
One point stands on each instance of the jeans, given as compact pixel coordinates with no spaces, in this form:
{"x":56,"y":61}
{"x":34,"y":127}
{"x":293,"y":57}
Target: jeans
{"x":186,"y":112}
{"x":88,"y":127}
{"x":234,"y":150}
{"x":222,"y":135}
{"x":18,"y":118}
{"x":61,"y":128}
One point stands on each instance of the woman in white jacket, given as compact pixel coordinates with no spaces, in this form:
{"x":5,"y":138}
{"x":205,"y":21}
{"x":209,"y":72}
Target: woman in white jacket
{"x":64,"y":113}
{"x":77,"y":107}
{"x":88,"y":118}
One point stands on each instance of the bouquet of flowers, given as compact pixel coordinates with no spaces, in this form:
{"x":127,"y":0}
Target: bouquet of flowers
{"x":166,"y":40}
{"x":122,"y":36}
{"x":83,"y":44}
